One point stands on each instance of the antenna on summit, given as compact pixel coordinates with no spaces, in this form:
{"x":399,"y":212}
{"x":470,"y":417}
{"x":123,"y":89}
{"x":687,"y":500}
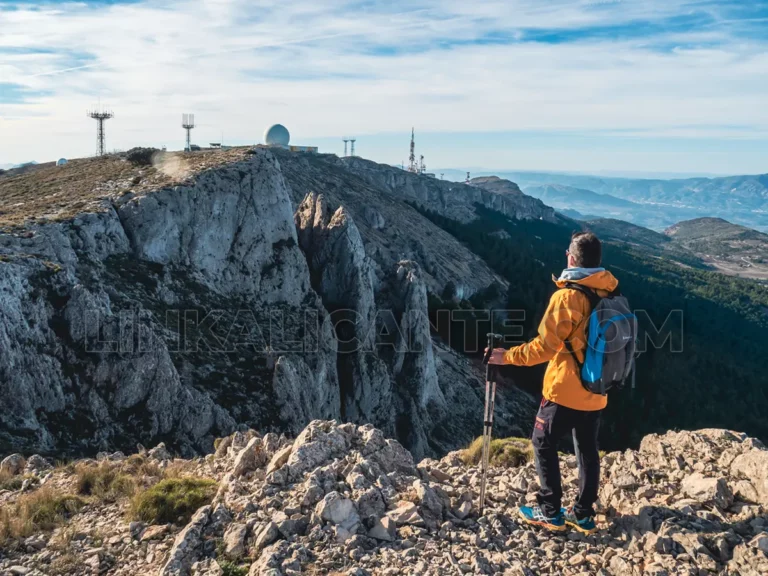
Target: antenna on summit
{"x":412,"y":167}
{"x":188,"y":122}
{"x":100,"y":115}
{"x":346,"y":140}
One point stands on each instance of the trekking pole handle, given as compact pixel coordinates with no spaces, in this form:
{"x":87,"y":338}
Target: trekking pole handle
{"x":492,"y":339}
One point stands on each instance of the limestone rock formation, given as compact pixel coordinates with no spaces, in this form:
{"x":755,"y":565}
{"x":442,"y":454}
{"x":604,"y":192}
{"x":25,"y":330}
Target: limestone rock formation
{"x":150,"y":317}
{"x":391,"y":228}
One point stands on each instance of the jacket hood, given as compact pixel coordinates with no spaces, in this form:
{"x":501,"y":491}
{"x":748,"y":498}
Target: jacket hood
{"x":595,"y":278}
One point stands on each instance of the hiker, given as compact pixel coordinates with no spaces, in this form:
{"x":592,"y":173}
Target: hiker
{"x":566,"y":406}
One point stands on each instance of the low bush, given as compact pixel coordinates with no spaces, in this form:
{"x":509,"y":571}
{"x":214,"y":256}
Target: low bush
{"x":171,"y":499}
{"x":504,"y":452}
{"x":231,"y":569}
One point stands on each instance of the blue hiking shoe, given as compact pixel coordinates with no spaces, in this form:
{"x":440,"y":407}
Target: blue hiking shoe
{"x":534,"y":516}
{"x":585,"y":525}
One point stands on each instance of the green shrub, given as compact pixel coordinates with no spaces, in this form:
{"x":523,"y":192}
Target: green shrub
{"x":504,"y":452}
{"x":231,"y":569}
{"x":172,"y":498}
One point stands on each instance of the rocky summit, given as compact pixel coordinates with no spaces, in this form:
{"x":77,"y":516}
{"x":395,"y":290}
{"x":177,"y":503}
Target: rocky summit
{"x":345,"y":499}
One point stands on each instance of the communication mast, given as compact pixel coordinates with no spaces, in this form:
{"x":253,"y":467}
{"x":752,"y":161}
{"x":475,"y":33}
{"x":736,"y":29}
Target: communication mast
{"x":412,"y":167}
{"x":422,"y":166}
{"x":100,"y":116}
{"x":188,"y":122}
{"x":467,"y":180}
{"x":345,"y":145}
{"x":352,"y":146}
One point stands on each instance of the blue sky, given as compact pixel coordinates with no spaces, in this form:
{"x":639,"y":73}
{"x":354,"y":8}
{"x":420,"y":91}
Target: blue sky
{"x":674,"y":86}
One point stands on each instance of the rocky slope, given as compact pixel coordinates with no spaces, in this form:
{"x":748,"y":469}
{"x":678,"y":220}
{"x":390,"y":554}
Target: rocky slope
{"x":728,"y":247}
{"x":180,"y":300}
{"x":344,"y":499}
{"x":377,"y":197}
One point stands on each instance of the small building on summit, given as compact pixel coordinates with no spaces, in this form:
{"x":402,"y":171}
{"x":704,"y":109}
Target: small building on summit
{"x":278,"y":136}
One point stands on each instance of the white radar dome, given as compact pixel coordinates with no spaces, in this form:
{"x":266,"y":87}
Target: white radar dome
{"x":277,"y":135}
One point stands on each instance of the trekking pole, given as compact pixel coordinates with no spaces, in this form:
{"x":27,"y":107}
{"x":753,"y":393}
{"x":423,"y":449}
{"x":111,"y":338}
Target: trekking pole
{"x":490,"y":401}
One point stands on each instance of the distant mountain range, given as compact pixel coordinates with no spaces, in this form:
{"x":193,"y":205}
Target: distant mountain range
{"x":653,"y":203}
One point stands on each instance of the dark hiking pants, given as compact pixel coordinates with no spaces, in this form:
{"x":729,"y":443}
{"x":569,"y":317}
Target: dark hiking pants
{"x":552,"y":423}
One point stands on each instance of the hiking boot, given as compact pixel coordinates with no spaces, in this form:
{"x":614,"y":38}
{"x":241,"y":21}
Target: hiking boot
{"x":585,"y":525}
{"x":533,"y":515}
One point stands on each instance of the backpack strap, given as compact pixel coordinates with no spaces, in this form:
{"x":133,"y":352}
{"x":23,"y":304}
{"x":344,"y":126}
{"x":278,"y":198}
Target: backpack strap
{"x":594,"y":300}
{"x":591,"y":295}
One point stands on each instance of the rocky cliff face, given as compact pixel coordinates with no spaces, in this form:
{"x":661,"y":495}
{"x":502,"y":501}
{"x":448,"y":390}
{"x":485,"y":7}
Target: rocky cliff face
{"x":452,"y":199}
{"x":344,"y":499}
{"x":390,"y":228}
{"x":505,"y":196}
{"x":389,"y":372}
{"x":227,"y":294}
{"x":106,"y":338}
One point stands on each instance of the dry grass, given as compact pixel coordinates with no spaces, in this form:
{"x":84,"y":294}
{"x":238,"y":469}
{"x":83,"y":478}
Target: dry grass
{"x":50,"y":192}
{"x":505,"y":452}
{"x":10,"y":482}
{"x":68,"y":563}
{"x":141,"y":466}
{"x":104,"y":481}
{"x":43,"y":509}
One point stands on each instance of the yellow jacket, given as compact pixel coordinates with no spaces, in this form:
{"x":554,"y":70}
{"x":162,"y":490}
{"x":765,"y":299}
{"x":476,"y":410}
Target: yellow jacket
{"x":565,"y":318}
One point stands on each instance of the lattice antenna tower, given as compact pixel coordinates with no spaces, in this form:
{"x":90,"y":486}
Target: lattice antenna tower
{"x":467,"y":180}
{"x":101,"y":116}
{"x":188,"y":122}
{"x":412,"y":157}
{"x":352,"y":146}
{"x":346,"y":140}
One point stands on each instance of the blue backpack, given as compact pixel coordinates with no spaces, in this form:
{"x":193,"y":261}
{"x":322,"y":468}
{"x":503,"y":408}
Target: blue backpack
{"x":611,"y":341}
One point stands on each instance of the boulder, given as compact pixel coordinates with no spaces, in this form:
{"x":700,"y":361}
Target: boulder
{"x":383,"y":529}
{"x":186,"y":547}
{"x":707,"y":490}
{"x":250,"y":458}
{"x":406,"y":513}
{"x":279,"y":459}
{"x":265,"y":536}
{"x":159,"y":452}
{"x":752,"y":465}
{"x":234,"y":540}
{"x":13,"y":464}
{"x":339,"y":511}
{"x":37,"y":463}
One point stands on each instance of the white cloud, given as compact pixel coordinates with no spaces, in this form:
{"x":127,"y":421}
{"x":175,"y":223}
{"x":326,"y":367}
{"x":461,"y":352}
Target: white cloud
{"x":327,"y":68}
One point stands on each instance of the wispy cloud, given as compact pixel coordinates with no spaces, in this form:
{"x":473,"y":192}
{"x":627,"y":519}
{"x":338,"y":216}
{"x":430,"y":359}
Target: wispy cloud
{"x":326,"y":68}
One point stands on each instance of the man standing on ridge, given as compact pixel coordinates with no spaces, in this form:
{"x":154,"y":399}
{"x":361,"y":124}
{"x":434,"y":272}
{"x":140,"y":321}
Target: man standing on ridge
{"x":566,"y":405}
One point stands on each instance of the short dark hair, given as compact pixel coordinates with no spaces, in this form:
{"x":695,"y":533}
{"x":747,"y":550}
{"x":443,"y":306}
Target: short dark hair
{"x":586,"y":249}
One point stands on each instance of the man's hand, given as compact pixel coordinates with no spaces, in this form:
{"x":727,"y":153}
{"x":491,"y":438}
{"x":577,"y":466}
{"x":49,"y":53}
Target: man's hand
{"x":497,"y":356}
